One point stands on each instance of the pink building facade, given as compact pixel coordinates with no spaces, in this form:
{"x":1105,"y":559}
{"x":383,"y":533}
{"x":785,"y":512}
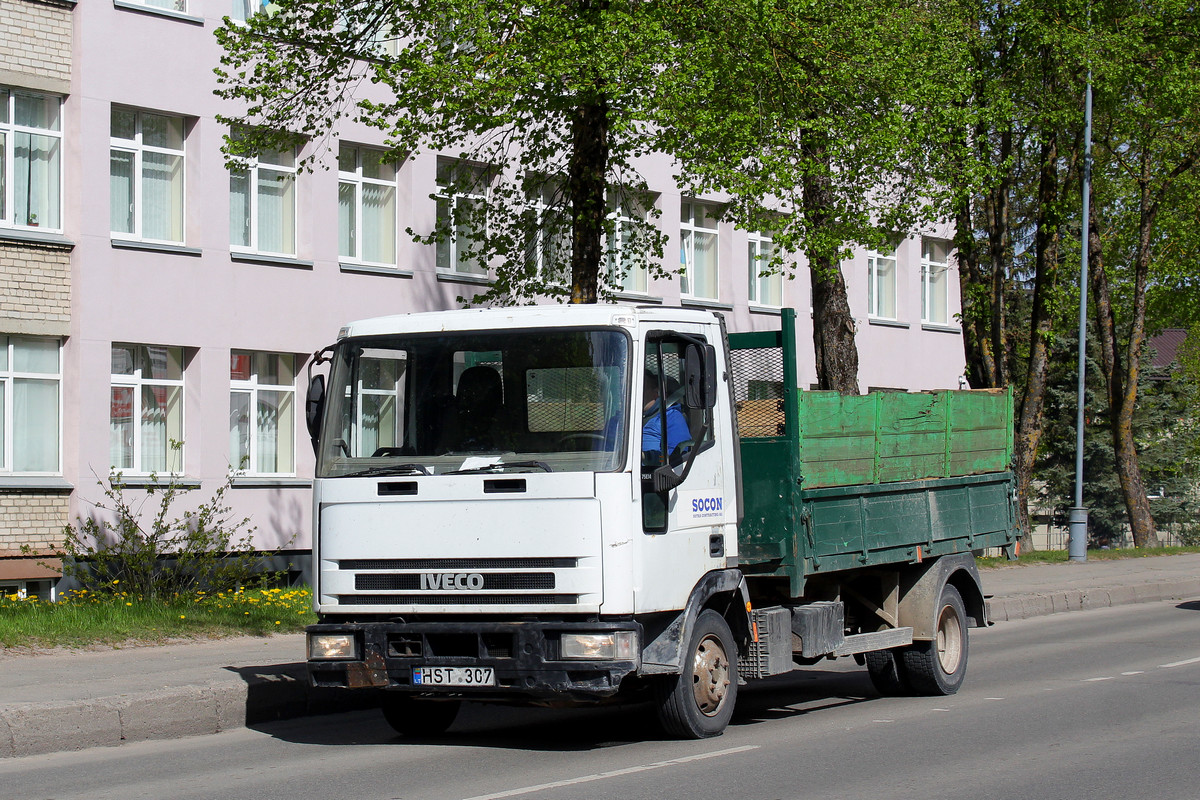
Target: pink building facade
{"x":150,"y":296}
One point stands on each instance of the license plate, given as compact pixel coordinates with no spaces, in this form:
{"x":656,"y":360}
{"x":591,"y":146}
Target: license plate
{"x":454,"y":676}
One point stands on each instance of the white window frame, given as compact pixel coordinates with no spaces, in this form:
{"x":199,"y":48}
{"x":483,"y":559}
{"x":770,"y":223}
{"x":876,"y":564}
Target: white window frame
{"x":934,"y":272}
{"x":356,"y":180}
{"x":689,"y":230}
{"x":544,"y":241}
{"x":451,"y":199}
{"x":252,"y":387}
{"x":8,"y":129}
{"x":178,"y":6}
{"x":8,"y":378}
{"x":637,"y":279}
{"x":759,"y":250}
{"x":136,"y":382}
{"x":252,"y":166}
{"x":882,"y":267}
{"x":137,"y":147}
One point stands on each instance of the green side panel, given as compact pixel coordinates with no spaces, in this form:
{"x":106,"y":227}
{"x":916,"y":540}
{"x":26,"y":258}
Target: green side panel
{"x":894,"y":436}
{"x":863,"y":526}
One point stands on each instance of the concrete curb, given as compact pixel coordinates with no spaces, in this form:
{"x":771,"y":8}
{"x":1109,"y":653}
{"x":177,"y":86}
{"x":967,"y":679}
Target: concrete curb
{"x":252,"y":695}
{"x":1024,"y":606}
{"x":28,"y":729}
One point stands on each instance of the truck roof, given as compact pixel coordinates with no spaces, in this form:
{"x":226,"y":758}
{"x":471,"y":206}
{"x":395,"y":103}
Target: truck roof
{"x":586,"y":315}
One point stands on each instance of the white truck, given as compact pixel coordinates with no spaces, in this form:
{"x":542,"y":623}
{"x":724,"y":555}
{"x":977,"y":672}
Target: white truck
{"x":497,"y":518}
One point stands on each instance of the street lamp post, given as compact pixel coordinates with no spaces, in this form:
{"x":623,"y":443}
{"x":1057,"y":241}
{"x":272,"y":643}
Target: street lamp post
{"x":1077,"y":544}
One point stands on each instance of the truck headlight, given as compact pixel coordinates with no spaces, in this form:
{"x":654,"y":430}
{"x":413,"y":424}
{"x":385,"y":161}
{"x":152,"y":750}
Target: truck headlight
{"x":332,"y":646}
{"x":612,"y":646}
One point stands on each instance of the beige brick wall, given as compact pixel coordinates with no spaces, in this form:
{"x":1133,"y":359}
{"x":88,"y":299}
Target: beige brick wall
{"x":32,"y":517}
{"x":35,"y":288}
{"x":35,"y":44}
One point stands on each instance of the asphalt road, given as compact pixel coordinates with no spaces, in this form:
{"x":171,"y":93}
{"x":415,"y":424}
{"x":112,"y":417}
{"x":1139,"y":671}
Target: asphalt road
{"x":1102,"y":704}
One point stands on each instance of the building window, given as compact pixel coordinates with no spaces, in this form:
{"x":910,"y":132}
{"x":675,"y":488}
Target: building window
{"x":167,"y":5}
{"x":30,"y":160}
{"x":698,"y":250}
{"x":881,"y":284}
{"x":625,"y":272}
{"x":461,"y":216}
{"x":31,"y":405}
{"x":242,"y":10}
{"x":262,"y":204}
{"x":935,"y":283}
{"x":145,"y":429}
{"x":366,"y":206}
{"x":765,"y":290}
{"x":262,"y":412}
{"x":145,"y":175}
{"x":549,"y":245}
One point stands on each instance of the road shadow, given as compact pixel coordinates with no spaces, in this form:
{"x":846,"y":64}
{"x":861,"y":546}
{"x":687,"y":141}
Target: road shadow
{"x":1191,"y":605}
{"x":553,"y":730}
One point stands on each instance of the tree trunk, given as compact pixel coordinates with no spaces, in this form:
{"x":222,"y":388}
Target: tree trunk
{"x":833,"y":324}
{"x":977,"y":342}
{"x":1029,"y":426}
{"x":1121,"y":372}
{"x":586,"y":188}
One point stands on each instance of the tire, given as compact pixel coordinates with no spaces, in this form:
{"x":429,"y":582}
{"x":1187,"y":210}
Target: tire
{"x":886,"y":668}
{"x":411,"y":716}
{"x":938,"y":667}
{"x":698,"y":703}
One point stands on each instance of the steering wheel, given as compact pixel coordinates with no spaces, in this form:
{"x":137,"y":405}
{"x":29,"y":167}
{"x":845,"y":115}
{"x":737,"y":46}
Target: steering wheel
{"x":584,"y":437}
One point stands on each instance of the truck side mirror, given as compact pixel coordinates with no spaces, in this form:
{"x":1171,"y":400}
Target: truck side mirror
{"x":314,"y":408}
{"x":700,"y":376}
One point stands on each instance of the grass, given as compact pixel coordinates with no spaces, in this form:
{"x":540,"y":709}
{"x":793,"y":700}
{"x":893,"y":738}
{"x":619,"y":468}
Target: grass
{"x":1061,"y":556}
{"x":85,"y":619}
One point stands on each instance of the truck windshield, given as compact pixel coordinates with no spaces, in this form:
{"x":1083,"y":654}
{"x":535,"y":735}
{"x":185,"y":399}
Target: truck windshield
{"x":487,"y":401}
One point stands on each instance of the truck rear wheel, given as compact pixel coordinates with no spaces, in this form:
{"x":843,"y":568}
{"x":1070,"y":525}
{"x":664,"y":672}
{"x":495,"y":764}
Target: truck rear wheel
{"x":698,"y":703}
{"x":886,"y":668}
{"x":412,"y":716}
{"x":938,"y":667}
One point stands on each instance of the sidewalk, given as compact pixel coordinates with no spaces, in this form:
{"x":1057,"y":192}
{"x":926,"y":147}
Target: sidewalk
{"x":69,"y":700}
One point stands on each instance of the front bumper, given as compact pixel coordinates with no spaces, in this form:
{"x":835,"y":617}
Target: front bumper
{"x":524,"y":655}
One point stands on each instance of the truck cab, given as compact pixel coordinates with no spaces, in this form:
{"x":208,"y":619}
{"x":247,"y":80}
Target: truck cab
{"x":498,"y":513}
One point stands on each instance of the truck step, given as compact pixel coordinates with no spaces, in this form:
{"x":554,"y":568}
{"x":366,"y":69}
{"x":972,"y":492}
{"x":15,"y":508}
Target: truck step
{"x":883,"y":640}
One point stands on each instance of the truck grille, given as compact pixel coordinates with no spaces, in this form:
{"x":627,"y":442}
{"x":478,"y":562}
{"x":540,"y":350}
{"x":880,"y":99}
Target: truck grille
{"x":411,"y":581}
{"x":458,"y":599}
{"x":457,"y":564}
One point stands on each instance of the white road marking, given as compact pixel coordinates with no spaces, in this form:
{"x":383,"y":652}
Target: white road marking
{"x":616,"y":773}
{"x":1174,"y":664}
{"x":1095,"y":680}
{"x":1135,"y":672}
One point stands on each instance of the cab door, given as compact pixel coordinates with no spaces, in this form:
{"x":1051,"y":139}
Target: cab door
{"x":682,"y":452}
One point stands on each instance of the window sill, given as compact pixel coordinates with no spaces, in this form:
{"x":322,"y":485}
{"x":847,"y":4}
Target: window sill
{"x":772,"y":310}
{"x":887,"y":323}
{"x":933,"y":326}
{"x":145,"y":482}
{"x":463,"y":277}
{"x":270,"y":260}
{"x":636,"y":297}
{"x":35,"y":237}
{"x":371,"y":269}
{"x":267,"y":482}
{"x":159,"y":12}
{"x":156,"y":247}
{"x":700,"y":302}
{"x":35,"y":482}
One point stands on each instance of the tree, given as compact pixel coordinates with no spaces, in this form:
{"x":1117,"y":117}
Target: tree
{"x":1149,"y":145}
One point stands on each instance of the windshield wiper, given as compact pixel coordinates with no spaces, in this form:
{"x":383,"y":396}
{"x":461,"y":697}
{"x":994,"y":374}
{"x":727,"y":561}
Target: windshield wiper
{"x":389,"y":469}
{"x":500,"y":466}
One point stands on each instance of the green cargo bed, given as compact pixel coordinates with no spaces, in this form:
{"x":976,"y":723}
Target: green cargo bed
{"x":833,"y":482}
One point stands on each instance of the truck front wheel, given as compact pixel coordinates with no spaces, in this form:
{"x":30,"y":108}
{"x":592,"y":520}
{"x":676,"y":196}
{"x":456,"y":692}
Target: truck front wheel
{"x":698,"y":703}
{"x":411,"y":716}
{"x":939,"y":666}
